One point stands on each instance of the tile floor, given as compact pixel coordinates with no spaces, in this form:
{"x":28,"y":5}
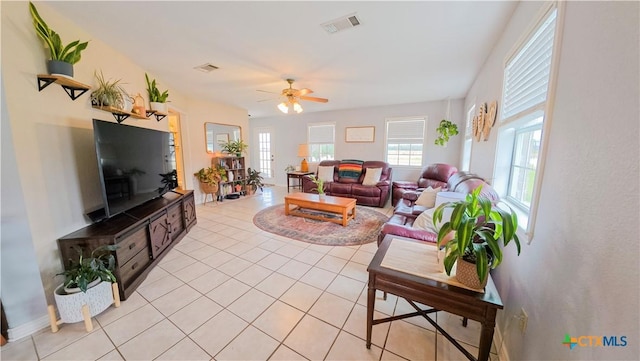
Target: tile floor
{"x":229,"y":291}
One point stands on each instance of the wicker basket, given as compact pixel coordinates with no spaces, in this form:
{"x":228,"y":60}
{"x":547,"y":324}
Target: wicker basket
{"x":208,"y":188}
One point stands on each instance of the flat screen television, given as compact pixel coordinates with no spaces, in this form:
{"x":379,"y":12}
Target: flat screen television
{"x":135,"y":164}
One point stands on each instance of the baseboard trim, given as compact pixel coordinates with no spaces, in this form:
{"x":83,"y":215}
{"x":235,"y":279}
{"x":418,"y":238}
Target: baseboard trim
{"x":503,"y":355}
{"x":28,"y":328}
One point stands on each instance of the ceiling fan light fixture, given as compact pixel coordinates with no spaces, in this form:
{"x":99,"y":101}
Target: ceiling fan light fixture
{"x":284,"y":107}
{"x":297,"y":107}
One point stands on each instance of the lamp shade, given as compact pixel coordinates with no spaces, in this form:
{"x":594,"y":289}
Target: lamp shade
{"x":303,"y":150}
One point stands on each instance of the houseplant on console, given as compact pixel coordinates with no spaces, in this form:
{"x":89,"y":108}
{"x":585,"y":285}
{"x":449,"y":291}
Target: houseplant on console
{"x":62,"y":57}
{"x":480,"y":229}
{"x":157,"y":100}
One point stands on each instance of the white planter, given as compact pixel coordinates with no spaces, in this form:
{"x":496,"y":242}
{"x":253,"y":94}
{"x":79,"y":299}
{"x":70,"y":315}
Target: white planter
{"x":98,"y":298}
{"x":160,"y":107}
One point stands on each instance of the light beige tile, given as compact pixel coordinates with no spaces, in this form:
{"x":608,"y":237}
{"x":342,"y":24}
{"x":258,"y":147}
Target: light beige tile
{"x":48,"y":342}
{"x":283,"y":353}
{"x":346,"y":287}
{"x":155,"y":274}
{"x":370,"y":247}
{"x":309,"y":257}
{"x":332,"y":309}
{"x":179,"y":262}
{"x":289,"y":250}
{"x":203,"y":252}
{"x":21,"y":350}
{"x":311,"y":338}
{"x":132,"y":303}
{"x":187,"y":247}
{"x":195,"y":314}
{"x":275,"y":285}
{"x":175,"y":300}
{"x":453,"y":325}
{"x":185,"y":350}
{"x":262,"y":346}
{"x":356,"y":271}
{"x":238,"y":248}
{"x":228,"y":292}
{"x":126,"y":327}
{"x":294,"y":269}
{"x":253,"y":274}
{"x":349,"y":347}
{"x":161,"y":287}
{"x":91,"y":347}
{"x":255,"y":254}
{"x":321,"y":248}
{"x":192,"y":271}
{"x":273,"y":261}
{"x":403,"y":307}
{"x":357,"y":325}
{"x":225,"y":242}
{"x":381,"y":305}
{"x":278,"y":320}
{"x":318,"y":278}
{"x":342,"y":252}
{"x":114,"y":355}
{"x":272,"y":244}
{"x":388,"y":356}
{"x":208,"y":281}
{"x":216,"y":333}
{"x":234,"y":266}
{"x":411,"y":342}
{"x":250,"y":305}
{"x":152,"y":342}
{"x":447,"y":351}
{"x":218,"y":259}
{"x":362,"y":257}
{"x":332,"y":263}
{"x":170,"y":256}
{"x":301,"y":296}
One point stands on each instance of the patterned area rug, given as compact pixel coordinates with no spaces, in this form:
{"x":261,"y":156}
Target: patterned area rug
{"x":364,"y":229}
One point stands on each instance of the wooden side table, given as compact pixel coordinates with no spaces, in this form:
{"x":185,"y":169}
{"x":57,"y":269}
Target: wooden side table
{"x":441,"y":296}
{"x":298,"y":176}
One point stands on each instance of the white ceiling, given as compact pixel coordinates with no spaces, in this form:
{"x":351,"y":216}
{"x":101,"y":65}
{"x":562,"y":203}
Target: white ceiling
{"x":403,"y":52}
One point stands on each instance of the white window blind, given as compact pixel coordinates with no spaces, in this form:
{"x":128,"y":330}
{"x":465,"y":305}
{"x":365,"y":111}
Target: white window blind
{"x":527,"y":73}
{"x":321,"y":133}
{"x":399,"y":131}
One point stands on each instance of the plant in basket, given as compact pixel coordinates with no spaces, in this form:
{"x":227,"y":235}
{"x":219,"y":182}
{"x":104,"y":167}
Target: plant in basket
{"x":479,"y":229}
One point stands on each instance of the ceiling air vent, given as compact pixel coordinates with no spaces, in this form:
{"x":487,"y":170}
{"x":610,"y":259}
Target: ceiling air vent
{"x":206,"y":68}
{"x":345,"y":22}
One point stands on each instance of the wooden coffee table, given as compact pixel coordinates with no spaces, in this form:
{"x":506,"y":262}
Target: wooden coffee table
{"x":334,"y":205}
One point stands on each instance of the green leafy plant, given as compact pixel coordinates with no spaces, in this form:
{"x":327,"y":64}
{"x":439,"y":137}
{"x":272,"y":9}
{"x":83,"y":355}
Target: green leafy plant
{"x":69,"y":53}
{"x":99,"y":265}
{"x":290,"y":168}
{"x":234,"y":147}
{"x":210,"y":176}
{"x":108,"y":93}
{"x":254,"y":179}
{"x":445,"y":129}
{"x":319,"y":184}
{"x":479,"y":229}
{"x":154,"y":93}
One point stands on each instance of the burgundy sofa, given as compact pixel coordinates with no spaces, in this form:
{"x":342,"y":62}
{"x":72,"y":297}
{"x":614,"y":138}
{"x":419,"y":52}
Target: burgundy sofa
{"x":375,"y":195}
{"x":406,"y":211}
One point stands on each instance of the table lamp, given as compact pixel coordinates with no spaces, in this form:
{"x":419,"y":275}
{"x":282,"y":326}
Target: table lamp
{"x":303,"y":151}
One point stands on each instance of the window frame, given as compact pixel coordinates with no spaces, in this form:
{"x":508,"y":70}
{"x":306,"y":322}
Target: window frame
{"x":421,"y":142}
{"x":467,"y":144}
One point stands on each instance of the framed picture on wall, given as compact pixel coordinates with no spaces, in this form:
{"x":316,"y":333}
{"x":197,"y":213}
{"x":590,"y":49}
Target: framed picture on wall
{"x":222,"y":138}
{"x":360,"y":134}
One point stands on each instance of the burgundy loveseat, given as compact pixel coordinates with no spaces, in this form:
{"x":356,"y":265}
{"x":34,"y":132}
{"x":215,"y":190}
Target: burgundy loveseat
{"x":366,"y":195}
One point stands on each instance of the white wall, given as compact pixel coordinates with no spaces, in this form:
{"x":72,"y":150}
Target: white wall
{"x":291,"y":129}
{"x":53,"y":140}
{"x":580,"y":274}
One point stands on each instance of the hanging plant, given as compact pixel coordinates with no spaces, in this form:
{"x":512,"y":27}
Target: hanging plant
{"x":445,"y":130}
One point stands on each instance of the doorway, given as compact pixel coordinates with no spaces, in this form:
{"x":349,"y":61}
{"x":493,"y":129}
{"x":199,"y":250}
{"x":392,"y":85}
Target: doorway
{"x":264,"y":138}
{"x":176,"y":142}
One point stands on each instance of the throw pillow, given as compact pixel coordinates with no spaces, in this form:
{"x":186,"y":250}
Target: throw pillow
{"x":371,"y":176}
{"x":325,"y":173}
{"x":424,"y":221}
{"x":350,"y":168}
{"x":427,"y":198}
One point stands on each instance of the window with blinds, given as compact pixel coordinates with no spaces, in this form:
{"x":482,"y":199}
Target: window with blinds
{"x":405,"y":141}
{"x":321,"y":139}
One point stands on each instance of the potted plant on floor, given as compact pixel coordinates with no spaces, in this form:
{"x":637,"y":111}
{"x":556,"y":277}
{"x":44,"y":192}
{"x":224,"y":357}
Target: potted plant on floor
{"x":87,"y":281}
{"x":254,"y":181}
{"x":319,"y":186}
{"x":209,"y":179}
{"x":445,"y":130}
{"x":62,"y":57}
{"x":480,"y":229}
{"x":157,"y":99}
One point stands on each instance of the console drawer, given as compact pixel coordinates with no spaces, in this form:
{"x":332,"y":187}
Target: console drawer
{"x":130,"y":244}
{"x":175,"y":219}
{"x":135,"y":266}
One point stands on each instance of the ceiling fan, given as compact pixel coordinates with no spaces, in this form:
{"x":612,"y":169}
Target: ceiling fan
{"x":293,"y":95}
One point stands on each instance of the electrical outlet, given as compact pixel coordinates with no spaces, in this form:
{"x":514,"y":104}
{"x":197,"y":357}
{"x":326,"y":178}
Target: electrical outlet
{"x":523,"y":318}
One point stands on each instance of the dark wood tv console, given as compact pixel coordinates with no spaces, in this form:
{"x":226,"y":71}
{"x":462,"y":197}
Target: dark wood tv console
{"x":143,"y":234}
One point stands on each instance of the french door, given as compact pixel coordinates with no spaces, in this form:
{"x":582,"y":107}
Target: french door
{"x":263,"y":137}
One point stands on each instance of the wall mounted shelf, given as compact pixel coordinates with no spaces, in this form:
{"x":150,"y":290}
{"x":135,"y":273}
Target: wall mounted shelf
{"x":73,"y":88}
{"x":159,"y":115}
{"x":119,"y":114}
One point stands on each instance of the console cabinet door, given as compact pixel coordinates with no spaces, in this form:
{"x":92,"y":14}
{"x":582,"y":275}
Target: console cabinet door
{"x":189,"y":208}
{"x":160,"y":233}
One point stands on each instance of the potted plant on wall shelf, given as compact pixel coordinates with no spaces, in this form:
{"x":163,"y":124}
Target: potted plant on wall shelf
{"x":236,"y":147}
{"x":157,"y":99}
{"x":110,"y":93}
{"x":445,"y":130}
{"x":62,"y":57}
{"x":480,"y":229}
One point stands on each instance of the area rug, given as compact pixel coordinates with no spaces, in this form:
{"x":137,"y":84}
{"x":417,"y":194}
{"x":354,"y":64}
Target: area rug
{"x":364,"y":229}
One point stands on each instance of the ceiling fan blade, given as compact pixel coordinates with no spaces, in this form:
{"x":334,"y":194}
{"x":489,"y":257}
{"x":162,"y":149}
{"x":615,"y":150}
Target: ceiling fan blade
{"x":268,"y":100}
{"x":266,"y":91}
{"x":304,"y":91}
{"x":314,"y":99}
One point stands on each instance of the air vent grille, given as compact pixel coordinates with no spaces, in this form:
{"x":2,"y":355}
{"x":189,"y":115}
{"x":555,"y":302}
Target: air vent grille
{"x":206,"y":68}
{"x":343,"y":23}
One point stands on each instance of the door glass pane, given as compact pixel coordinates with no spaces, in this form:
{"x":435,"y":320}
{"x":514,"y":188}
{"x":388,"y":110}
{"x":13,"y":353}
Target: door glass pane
{"x":264,"y":146}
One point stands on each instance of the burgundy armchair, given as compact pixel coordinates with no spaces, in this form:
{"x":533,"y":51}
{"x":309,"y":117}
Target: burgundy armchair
{"x":434,"y":175}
